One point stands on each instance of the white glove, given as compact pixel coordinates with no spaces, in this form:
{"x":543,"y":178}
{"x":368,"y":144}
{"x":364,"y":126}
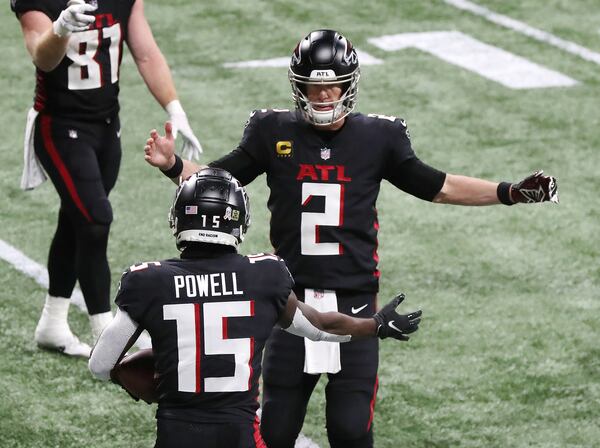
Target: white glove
{"x":191,"y":148}
{"x":74,"y":18}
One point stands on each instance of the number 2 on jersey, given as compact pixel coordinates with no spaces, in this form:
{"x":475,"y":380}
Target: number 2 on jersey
{"x":206,"y":324}
{"x":311,"y":221}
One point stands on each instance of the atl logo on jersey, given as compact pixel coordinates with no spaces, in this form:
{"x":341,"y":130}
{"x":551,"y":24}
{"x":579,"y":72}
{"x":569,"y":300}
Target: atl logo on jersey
{"x":322,"y":172}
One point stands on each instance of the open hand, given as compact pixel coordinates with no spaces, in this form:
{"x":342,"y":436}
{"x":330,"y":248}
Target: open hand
{"x":160,"y":150}
{"x":392,"y":324}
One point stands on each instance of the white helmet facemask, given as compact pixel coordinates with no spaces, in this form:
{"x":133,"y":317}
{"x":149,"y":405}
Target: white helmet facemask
{"x":338,"y":109}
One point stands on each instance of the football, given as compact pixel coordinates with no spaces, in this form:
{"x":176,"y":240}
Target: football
{"x":135,"y":373}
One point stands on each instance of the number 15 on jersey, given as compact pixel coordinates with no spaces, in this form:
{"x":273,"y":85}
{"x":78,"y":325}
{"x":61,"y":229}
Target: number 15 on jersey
{"x":205,"y":325}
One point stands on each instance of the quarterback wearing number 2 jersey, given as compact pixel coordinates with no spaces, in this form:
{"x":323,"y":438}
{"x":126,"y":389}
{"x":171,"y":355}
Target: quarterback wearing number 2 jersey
{"x":324,"y":166}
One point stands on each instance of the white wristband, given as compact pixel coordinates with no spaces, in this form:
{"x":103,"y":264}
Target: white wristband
{"x":174,"y":108}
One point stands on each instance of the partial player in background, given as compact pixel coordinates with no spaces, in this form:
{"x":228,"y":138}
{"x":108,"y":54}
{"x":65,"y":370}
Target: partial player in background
{"x":73,"y":130}
{"x":324,"y":166}
{"x":209,"y":314}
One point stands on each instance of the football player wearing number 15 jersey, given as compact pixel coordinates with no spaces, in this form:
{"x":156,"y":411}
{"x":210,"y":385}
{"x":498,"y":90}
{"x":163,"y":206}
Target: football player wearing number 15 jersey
{"x":73,"y":130}
{"x":324,"y":166}
{"x":209,"y":314}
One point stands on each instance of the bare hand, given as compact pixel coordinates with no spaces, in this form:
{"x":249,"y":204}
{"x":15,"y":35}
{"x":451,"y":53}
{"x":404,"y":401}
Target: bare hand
{"x":160,"y":150}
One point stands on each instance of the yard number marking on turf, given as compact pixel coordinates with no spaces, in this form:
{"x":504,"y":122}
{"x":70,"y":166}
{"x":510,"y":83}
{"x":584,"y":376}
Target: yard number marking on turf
{"x":491,"y":62}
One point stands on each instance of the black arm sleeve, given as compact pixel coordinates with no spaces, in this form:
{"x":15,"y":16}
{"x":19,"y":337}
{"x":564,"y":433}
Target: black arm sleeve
{"x":249,"y":159}
{"x":240,"y":164}
{"x":418,"y":179}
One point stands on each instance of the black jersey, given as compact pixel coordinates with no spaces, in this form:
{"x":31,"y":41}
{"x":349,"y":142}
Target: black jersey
{"x":323,"y":191}
{"x":85,"y":85}
{"x":208,"y":319}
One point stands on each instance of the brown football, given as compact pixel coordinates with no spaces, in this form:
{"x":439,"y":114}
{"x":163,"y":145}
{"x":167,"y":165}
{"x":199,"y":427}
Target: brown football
{"x":135,"y":373}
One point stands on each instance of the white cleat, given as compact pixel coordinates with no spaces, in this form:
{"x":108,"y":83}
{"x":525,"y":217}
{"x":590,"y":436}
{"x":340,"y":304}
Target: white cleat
{"x":53,"y":332}
{"x":61,"y":341}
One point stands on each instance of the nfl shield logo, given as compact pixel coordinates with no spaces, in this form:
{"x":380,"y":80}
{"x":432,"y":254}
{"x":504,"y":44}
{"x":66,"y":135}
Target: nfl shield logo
{"x":325,"y":153}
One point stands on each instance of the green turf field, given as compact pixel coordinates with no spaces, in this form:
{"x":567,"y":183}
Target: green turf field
{"x":507,"y":355}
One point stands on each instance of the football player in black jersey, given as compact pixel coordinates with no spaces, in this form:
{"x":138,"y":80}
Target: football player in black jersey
{"x":73,"y":130}
{"x":209,"y":314}
{"x":324,"y":166}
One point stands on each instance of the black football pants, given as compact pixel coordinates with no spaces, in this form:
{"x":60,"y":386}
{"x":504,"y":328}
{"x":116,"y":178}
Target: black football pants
{"x":180,"y":434}
{"x":82,"y":159}
{"x":350,"y":393}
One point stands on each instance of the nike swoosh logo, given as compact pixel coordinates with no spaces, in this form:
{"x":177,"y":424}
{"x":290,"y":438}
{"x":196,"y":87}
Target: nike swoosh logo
{"x":359,"y":309}
{"x":391,"y":325}
{"x":119,"y":133}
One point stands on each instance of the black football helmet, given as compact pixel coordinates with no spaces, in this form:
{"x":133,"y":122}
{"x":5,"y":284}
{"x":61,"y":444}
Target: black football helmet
{"x":324,"y":57}
{"x":211,"y":206}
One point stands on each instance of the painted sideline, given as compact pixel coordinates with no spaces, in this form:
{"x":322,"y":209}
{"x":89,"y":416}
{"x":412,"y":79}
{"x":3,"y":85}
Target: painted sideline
{"x":523,"y":28}
{"x":37,"y":272}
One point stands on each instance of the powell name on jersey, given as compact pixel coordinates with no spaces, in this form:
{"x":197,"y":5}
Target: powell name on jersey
{"x":85,"y":85}
{"x":324,"y":187}
{"x":209,"y":319}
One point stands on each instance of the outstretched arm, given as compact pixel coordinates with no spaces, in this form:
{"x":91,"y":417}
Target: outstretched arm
{"x":463,"y":190}
{"x":302,"y":320}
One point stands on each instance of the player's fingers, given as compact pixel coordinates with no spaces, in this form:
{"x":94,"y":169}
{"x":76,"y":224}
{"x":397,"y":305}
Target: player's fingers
{"x":415,"y":314}
{"x":411,"y":329}
{"x":398,"y":299}
{"x":415,"y":322}
{"x":169,"y":130}
{"x":83,"y":18}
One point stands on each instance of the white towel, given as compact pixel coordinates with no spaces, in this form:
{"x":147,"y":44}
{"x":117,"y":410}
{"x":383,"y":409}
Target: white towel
{"x":33,"y":173}
{"x":321,"y":357}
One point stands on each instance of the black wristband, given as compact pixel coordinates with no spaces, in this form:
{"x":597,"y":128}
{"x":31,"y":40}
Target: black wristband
{"x":175,"y":170}
{"x":503,"y":192}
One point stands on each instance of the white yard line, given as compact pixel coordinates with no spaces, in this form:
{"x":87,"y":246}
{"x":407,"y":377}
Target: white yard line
{"x":364,"y":58}
{"x":36,"y":271}
{"x":523,"y":28}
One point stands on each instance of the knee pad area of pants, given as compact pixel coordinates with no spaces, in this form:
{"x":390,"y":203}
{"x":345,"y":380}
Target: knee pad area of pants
{"x":346,"y":431}
{"x":101,"y":212}
{"x":93,"y":235}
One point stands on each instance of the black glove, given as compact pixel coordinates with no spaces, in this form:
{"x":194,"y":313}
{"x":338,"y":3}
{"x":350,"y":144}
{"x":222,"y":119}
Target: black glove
{"x":535,"y":188}
{"x":392,"y":324}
